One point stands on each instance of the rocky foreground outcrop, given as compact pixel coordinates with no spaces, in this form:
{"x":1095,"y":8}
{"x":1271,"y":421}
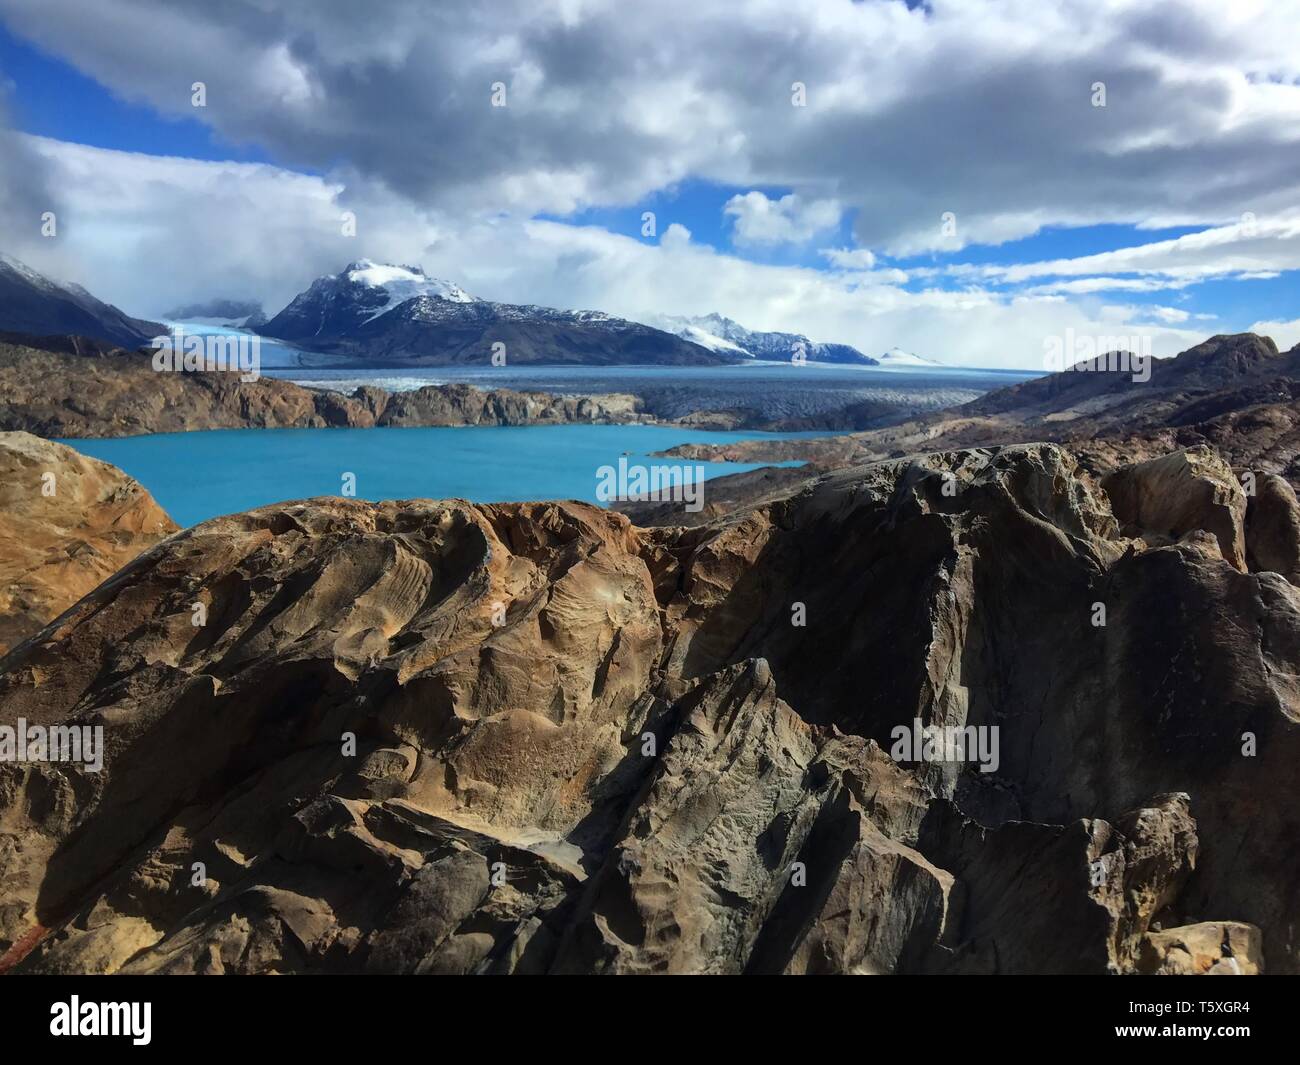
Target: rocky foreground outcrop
{"x":67,"y":523}
{"x":420,"y":736}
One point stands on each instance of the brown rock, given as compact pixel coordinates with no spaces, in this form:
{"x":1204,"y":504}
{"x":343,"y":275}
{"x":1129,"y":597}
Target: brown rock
{"x":1166,"y":498}
{"x":1273,"y":528}
{"x":67,"y":523}
{"x":1214,"y":948}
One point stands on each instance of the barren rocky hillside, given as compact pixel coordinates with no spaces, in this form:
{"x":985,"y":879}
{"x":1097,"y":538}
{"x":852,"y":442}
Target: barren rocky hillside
{"x":1237,"y":393}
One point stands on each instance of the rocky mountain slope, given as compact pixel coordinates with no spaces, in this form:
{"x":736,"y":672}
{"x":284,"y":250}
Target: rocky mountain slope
{"x":67,"y":523}
{"x":53,"y":393}
{"x":385,"y":315}
{"x":725,"y":335}
{"x":1104,"y":399}
{"x":33,"y":304}
{"x":435,"y":737}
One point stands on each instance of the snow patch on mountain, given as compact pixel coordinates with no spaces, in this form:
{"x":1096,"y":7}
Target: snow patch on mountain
{"x":899,"y":357}
{"x":402,"y":283}
{"x":710,"y":340}
{"x":29,"y":275}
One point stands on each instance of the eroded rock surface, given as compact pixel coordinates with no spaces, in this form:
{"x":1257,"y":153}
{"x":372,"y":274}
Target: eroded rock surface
{"x":1183,"y":492}
{"x":436,"y":737}
{"x":67,"y":523}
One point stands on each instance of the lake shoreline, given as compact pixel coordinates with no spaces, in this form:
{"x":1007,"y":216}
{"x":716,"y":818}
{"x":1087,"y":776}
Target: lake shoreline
{"x":202,"y":474}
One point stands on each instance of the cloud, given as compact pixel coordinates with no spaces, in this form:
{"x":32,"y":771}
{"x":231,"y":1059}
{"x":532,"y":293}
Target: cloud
{"x":149,"y":233}
{"x":1260,"y":247}
{"x":1082,"y":285}
{"x":850,"y":258}
{"x":758,"y":220}
{"x":1168,"y":314}
{"x":970,"y":107}
{"x":980,"y":108}
{"x":26,"y":190}
{"x":675,"y":236}
{"x":1287,"y":334}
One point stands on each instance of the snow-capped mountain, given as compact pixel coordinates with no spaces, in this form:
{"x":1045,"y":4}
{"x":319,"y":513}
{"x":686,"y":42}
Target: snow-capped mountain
{"x":899,"y":357}
{"x":337,"y":305}
{"x":722,"y":334}
{"x":383,"y":314}
{"x":31,"y":303}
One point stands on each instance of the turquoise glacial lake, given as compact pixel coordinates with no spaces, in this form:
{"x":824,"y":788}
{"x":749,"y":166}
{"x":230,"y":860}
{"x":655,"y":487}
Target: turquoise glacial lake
{"x":199,"y":475}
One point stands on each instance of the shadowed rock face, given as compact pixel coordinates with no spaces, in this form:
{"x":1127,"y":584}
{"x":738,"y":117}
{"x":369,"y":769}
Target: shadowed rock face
{"x":436,"y":737}
{"x":67,"y":523}
{"x":1274,"y":528}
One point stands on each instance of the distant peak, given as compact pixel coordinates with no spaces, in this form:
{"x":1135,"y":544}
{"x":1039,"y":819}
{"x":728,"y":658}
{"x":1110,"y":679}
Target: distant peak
{"x":899,"y":357}
{"x":403,"y":282}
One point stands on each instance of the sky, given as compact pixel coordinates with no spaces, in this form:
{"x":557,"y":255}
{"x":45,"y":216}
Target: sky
{"x":964,"y":179}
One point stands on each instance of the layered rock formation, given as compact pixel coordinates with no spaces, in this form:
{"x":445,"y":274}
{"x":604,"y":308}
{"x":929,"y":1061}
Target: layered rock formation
{"x":67,"y":523}
{"x":436,"y":737}
{"x":63,"y":395}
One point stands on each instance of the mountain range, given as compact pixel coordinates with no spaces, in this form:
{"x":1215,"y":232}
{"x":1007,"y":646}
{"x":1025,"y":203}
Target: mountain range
{"x":1236,"y":393}
{"x":900,"y":358}
{"x":378,"y":314}
{"x":727,"y":336}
